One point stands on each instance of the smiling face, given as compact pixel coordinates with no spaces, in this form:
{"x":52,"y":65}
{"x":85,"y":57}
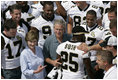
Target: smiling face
{"x":59,"y":30}
{"x":31,"y":44}
{"x":48,"y":11}
{"x":16,"y":14}
{"x":91,"y":20}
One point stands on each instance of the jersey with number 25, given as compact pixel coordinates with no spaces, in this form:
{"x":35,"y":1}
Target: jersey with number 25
{"x":72,"y":60}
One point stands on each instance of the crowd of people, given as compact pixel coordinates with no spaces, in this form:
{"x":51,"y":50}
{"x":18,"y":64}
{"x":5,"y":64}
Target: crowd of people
{"x":59,"y":39}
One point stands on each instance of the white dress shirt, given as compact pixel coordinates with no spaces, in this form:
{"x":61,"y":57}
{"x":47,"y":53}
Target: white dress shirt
{"x":111,"y":73}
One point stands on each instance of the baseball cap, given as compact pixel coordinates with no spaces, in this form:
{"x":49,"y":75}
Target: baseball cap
{"x":109,"y":41}
{"x":77,"y":30}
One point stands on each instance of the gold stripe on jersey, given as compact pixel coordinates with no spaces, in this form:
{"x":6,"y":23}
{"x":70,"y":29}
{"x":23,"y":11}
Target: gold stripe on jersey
{"x":80,"y":33}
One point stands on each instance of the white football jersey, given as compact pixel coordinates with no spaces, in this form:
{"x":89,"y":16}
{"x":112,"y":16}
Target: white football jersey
{"x":22,"y":29}
{"x":11,"y":49}
{"x":37,"y":9}
{"x":6,"y":4}
{"x":103,"y":6}
{"x":67,"y":5}
{"x":72,"y":58}
{"x":96,"y":33}
{"x":105,"y":21}
{"x":79,"y":16}
{"x":45,"y":28}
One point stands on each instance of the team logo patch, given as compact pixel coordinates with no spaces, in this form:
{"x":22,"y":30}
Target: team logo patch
{"x":93,"y":34}
{"x":18,"y":37}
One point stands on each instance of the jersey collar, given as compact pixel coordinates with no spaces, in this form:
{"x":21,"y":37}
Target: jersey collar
{"x":92,"y":28}
{"x":47,"y":18}
{"x":114,"y":57}
{"x":84,"y":8}
{"x":6,"y":36}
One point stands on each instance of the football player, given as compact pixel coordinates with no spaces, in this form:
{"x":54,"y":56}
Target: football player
{"x":96,"y":34}
{"x":73,"y":60}
{"x":78,"y":13}
{"x":11,"y":46}
{"x":44,"y":23}
{"x":22,"y":26}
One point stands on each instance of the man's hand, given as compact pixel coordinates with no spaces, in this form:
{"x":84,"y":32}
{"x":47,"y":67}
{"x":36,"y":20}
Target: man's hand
{"x":84,"y":47}
{"x":56,"y":63}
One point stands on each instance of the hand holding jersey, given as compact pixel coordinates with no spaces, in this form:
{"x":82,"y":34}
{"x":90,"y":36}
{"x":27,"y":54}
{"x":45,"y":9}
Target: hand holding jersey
{"x":56,"y":62}
{"x":83,"y":47}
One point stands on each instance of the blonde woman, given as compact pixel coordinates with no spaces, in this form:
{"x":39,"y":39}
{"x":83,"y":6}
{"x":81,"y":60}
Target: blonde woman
{"x":31,"y":59}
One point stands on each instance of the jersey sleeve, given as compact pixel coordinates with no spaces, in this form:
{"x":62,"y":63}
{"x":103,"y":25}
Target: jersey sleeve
{"x":106,"y":33}
{"x":36,"y":12}
{"x":67,"y":5}
{"x":34,"y":23}
{"x":99,"y":14}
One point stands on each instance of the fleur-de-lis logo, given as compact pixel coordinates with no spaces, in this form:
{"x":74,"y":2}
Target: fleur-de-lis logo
{"x":18,"y":37}
{"x":93,"y":34}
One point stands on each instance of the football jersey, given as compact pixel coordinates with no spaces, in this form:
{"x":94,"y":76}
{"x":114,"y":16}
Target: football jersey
{"x":37,"y":9}
{"x":104,"y":7}
{"x":45,"y":28}
{"x":22,"y":30}
{"x":72,"y":60}
{"x":105,"y":21}
{"x":96,"y":33}
{"x":67,"y":5}
{"x":79,"y":16}
{"x":10,"y":52}
{"x":6,"y":4}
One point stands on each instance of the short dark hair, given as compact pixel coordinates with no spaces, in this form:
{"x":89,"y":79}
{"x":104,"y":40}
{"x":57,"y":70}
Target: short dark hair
{"x":79,"y":38}
{"x":10,"y":24}
{"x":48,"y":3}
{"x":92,"y":12}
{"x":15,"y":6}
{"x":106,"y":55}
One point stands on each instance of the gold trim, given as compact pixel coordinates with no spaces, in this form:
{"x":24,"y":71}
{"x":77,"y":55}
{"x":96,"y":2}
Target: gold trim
{"x":80,"y":33}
